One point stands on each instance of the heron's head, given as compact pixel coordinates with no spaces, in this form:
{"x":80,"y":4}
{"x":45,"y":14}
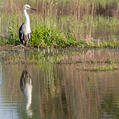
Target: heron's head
{"x":27,"y":7}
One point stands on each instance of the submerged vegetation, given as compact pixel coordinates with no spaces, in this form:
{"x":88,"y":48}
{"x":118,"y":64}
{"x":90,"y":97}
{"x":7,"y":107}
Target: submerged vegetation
{"x":108,"y":67}
{"x":89,"y":60}
{"x":75,"y":23}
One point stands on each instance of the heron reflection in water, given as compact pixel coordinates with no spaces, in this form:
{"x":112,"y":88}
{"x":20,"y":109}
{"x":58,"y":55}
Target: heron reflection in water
{"x":26,"y":88}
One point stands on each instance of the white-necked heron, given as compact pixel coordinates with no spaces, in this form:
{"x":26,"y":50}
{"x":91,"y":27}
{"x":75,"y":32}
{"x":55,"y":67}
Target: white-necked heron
{"x":25,"y":29}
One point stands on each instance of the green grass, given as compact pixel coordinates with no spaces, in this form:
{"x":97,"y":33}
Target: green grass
{"x":44,"y":37}
{"x":67,"y":31}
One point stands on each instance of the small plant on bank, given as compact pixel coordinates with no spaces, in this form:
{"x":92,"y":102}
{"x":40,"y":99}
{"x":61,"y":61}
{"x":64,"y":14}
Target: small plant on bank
{"x":46,"y":37}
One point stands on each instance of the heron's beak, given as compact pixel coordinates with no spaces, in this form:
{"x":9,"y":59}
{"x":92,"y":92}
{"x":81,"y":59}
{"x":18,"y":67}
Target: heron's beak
{"x":33,"y":9}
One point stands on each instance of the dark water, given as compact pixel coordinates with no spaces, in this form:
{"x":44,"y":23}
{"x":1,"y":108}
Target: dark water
{"x":54,"y":85}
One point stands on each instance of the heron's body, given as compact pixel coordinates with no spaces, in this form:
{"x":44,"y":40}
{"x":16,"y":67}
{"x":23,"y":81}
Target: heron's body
{"x":24,"y":34}
{"x":25,"y":30}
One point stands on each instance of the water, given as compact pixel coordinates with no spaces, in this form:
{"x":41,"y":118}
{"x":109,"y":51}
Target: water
{"x":60,"y":87}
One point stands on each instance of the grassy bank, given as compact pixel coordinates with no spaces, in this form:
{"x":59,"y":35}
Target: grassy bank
{"x":66,"y":23}
{"x":46,"y":35}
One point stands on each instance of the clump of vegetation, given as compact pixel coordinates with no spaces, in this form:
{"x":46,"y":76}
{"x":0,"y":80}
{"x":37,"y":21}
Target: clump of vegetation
{"x":43,"y":37}
{"x":46,"y":37}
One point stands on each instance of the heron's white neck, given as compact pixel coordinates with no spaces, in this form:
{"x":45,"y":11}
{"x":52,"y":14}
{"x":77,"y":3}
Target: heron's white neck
{"x":27,"y":20}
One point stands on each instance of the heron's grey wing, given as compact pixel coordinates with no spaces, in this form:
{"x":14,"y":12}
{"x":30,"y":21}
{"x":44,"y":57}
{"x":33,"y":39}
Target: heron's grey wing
{"x":22,"y":84}
{"x":21,"y":35}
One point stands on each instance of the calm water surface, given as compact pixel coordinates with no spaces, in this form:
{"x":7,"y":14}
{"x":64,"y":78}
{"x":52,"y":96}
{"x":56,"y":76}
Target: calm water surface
{"x":54,"y":85}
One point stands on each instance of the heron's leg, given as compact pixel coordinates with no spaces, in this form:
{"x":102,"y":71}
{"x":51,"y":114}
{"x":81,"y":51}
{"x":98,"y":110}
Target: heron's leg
{"x":23,"y":42}
{"x":27,"y":40}
{"x":26,"y":43}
